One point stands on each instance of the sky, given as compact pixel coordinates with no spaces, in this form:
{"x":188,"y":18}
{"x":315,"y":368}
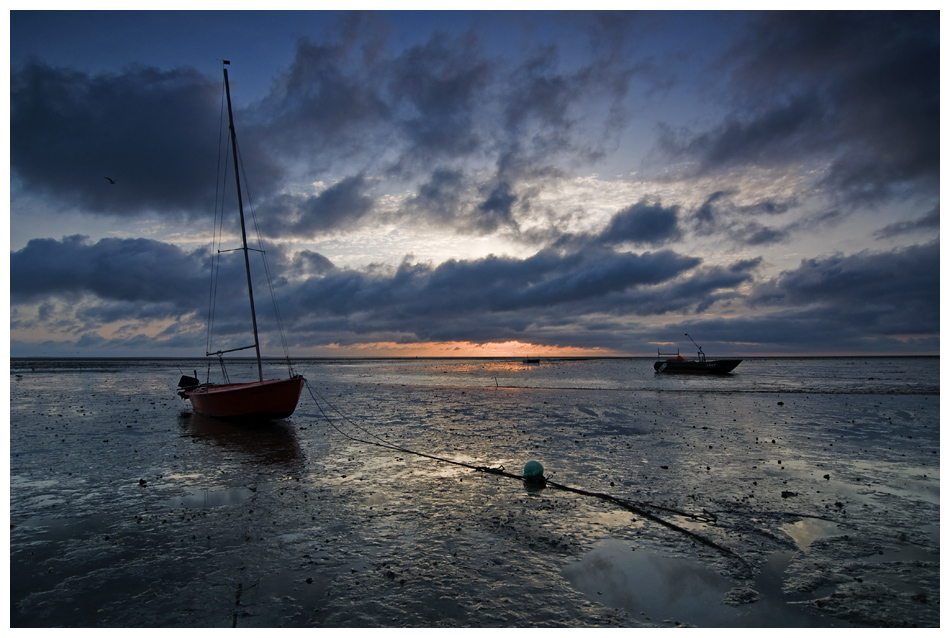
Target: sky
{"x":476,"y":183}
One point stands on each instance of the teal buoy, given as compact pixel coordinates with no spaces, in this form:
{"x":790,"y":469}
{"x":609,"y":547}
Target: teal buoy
{"x":534,"y":472}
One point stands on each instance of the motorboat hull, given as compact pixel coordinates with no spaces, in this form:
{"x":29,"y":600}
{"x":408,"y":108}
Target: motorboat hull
{"x":681,"y":366}
{"x":269,"y":399}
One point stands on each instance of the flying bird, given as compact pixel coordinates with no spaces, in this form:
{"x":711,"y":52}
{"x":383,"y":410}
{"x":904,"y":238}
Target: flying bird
{"x":111,"y":181}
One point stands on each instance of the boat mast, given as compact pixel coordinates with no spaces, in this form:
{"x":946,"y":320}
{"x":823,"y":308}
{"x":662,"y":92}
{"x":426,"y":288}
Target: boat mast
{"x":247,"y":261}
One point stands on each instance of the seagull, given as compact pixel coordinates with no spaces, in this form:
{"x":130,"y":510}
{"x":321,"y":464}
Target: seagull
{"x":111,"y":181}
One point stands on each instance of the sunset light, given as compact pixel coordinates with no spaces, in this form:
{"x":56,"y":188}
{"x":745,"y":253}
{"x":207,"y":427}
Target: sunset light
{"x":460,"y":349}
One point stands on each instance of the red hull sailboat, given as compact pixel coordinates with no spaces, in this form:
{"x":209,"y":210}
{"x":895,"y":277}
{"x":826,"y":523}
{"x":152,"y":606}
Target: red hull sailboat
{"x":261,"y":399}
{"x":269,"y":399}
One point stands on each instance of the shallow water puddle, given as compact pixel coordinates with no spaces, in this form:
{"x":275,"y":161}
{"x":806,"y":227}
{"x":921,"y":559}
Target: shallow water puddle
{"x":212,"y":498}
{"x":675,"y":590}
{"x":810,"y":529}
{"x":647,"y":584}
{"x":60,"y":529}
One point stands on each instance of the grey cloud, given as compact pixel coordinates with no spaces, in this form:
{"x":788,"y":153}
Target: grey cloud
{"x":496,"y":210}
{"x":436,"y":91}
{"x":706,"y":217}
{"x":756,"y":234}
{"x":695,"y":293}
{"x":404,"y":113}
{"x":342,"y":205}
{"x":929,"y":222}
{"x":345,"y":106}
{"x":440,"y":197}
{"x":572,"y":298}
{"x":311,"y":263}
{"x":485,"y":293}
{"x":78,"y":286}
{"x":125,"y":270}
{"x":326,"y":106}
{"x":642,"y":224}
{"x":152,"y":131}
{"x":767,"y":138}
{"x":719,"y":214}
{"x":541,"y":96}
{"x":890,"y":293}
{"x":804,"y":84}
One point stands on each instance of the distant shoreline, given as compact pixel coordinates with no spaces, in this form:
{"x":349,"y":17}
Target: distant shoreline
{"x":469,"y":358}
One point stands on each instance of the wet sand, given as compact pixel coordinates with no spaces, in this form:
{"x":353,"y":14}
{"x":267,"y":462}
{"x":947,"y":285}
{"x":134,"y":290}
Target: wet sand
{"x":127,"y":510}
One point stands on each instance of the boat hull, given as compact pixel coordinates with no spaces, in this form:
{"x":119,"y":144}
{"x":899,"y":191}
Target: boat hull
{"x":677,"y":366}
{"x":270,"y":399}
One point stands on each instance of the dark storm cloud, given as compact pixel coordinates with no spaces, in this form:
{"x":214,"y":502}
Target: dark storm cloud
{"x":719,"y":214}
{"x":566,"y":298}
{"x":436,"y":90}
{"x":153,"y":132}
{"x":78,"y":286}
{"x":581,"y":299}
{"x":570,"y":115}
{"x":488,"y":299}
{"x":310,"y":263}
{"x":340,"y":206}
{"x":440,"y":197}
{"x":756,"y":140}
{"x":930,"y":221}
{"x":886,"y":294}
{"x":642,"y":224}
{"x":540,"y":94}
{"x":694,"y":294}
{"x":125,"y":270}
{"x":492,"y":283}
{"x":858,"y":89}
{"x":120,"y":281}
{"x":353,"y":101}
{"x":496,"y":210}
{"x":326,"y":106}
{"x":344,"y":108}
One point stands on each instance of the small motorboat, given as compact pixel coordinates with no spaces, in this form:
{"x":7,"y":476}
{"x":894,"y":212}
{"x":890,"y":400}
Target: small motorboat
{"x":677,"y":364}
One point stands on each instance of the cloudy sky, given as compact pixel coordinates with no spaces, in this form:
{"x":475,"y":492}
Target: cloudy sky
{"x":478,"y":183}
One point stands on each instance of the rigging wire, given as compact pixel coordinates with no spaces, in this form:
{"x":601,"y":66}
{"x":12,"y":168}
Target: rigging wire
{"x":220,"y":186}
{"x":221,"y":181}
{"x":267,"y":273}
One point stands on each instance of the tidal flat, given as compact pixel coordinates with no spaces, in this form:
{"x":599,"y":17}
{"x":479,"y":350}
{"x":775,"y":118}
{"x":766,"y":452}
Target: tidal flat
{"x":822,"y":475}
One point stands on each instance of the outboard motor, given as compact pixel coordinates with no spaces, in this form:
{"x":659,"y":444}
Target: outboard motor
{"x":187,"y":383}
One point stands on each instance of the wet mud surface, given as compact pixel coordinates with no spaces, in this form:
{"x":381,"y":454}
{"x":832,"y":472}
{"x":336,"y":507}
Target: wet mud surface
{"x":127,"y":510}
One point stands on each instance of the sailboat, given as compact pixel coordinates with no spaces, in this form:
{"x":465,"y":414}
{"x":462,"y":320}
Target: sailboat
{"x":262,"y":399}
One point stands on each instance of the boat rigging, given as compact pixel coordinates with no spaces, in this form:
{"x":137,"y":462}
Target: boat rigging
{"x":261,"y":399}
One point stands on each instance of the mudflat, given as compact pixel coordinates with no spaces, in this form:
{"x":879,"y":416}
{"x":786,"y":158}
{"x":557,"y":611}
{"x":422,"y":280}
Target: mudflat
{"x":126,"y":510}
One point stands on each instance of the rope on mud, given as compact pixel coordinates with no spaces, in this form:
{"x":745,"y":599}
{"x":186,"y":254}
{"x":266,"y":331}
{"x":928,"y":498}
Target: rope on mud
{"x":633,"y":506}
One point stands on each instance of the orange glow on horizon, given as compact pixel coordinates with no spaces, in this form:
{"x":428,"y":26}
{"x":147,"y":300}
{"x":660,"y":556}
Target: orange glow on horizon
{"x":457,"y":349}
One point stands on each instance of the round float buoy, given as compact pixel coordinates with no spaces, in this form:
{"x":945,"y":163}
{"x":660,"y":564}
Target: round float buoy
{"x":533,"y":472}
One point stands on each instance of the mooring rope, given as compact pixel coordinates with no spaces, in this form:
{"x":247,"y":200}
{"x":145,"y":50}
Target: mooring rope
{"x":637,"y":507}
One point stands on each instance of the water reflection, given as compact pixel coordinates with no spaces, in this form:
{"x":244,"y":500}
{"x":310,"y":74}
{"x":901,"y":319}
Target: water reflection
{"x":270,"y":443}
{"x":644,"y":582}
{"x":807,"y":530}
{"x":213,"y":498}
{"x":666,"y":590}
